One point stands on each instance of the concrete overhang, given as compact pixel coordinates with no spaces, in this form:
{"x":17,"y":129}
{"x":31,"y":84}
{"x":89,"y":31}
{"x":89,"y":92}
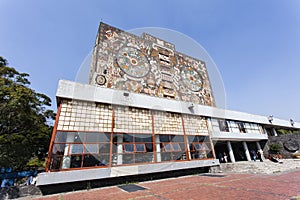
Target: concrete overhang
{"x":227,"y":136}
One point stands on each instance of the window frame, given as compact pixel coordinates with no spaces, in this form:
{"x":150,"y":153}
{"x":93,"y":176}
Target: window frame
{"x":172,"y":149}
{"x":135,"y":149}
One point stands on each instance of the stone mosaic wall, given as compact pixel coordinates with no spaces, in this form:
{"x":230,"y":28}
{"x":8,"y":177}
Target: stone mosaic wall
{"x":149,"y":66}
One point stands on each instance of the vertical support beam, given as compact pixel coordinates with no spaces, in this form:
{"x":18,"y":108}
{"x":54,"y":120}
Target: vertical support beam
{"x":246,"y":151}
{"x":53,"y":138}
{"x":189,"y":156}
{"x":111,"y":136}
{"x":157,"y":143}
{"x":265,"y":130}
{"x":260,"y":150}
{"x":209,"y":125}
{"x":187,"y":150}
{"x":120,"y":149}
{"x":210,"y":131}
{"x":153,"y":138}
{"x":230,"y":152}
{"x":274,"y":132}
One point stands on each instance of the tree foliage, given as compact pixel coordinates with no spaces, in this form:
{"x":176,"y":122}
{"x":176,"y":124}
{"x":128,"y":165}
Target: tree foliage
{"x":24,"y":131}
{"x":284,"y":131}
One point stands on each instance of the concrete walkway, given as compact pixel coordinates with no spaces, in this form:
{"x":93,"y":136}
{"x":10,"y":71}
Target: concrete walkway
{"x":205,"y":186}
{"x":242,"y":180}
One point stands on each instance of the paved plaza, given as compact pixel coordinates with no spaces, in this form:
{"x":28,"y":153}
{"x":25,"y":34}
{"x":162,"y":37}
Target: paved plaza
{"x":283,"y":184}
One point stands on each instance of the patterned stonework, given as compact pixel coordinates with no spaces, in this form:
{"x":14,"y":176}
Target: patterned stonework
{"x":167,"y":123}
{"x":78,"y":115}
{"x":149,"y":66}
{"x":84,"y":116}
{"x":132,"y":120}
{"x":195,"y":125}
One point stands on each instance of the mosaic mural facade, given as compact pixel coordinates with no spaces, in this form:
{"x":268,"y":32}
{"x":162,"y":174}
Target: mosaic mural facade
{"x":148,"y":65}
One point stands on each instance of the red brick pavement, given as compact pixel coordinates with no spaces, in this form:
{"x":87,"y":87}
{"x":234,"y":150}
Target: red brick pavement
{"x":231,"y":186}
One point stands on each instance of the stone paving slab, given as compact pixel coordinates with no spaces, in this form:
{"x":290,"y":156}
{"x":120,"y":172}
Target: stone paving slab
{"x":231,"y":186}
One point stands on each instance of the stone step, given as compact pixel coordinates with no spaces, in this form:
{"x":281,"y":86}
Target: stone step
{"x":266,"y":167}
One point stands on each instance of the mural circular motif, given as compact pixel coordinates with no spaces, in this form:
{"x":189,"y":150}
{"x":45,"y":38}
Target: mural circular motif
{"x":191,"y":79}
{"x":100,"y":79}
{"x":133,"y":62}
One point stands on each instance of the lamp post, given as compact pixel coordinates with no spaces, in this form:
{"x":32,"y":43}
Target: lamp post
{"x":292,"y":122}
{"x":270,"y":118}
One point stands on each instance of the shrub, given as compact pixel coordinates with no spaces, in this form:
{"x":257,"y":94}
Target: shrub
{"x":274,"y":148}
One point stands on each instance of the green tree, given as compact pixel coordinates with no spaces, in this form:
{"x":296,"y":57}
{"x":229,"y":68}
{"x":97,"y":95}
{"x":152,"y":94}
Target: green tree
{"x":24,"y":129}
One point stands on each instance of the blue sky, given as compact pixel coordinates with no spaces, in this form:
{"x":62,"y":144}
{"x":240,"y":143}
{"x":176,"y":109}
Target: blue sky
{"x":255,"y":44}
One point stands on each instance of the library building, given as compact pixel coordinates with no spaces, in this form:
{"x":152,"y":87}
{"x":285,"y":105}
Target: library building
{"x":146,"y":109}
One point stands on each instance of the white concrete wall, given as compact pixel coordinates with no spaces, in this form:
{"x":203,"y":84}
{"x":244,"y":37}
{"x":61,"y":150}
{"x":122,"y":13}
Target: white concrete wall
{"x":48,"y":178}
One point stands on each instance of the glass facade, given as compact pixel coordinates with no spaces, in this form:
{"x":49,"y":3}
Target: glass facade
{"x":80,"y":149}
{"x":236,"y":127}
{"x":89,"y":134}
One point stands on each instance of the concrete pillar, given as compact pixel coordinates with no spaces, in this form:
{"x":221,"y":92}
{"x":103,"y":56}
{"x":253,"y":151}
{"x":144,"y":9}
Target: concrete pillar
{"x":67,"y":159}
{"x":274,"y":132}
{"x":120,"y":149}
{"x":209,"y":125}
{"x":265,"y":130}
{"x":260,"y":150}
{"x":246,"y":151}
{"x":210,"y":131}
{"x":157,"y":143}
{"x":231,"y":155}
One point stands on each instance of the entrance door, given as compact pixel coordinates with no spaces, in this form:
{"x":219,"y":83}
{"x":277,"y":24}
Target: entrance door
{"x":221,"y":148}
{"x":238,"y":151}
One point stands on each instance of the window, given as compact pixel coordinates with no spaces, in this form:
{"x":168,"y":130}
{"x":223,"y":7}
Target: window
{"x":133,"y":148}
{"x":205,"y":147}
{"x":91,"y":148}
{"x":129,"y":148}
{"x":171,"y":147}
{"x":252,"y":128}
{"x":223,"y":125}
{"x":200,"y":147}
{"x":176,"y":147}
{"x":140,"y":148}
{"x":84,"y":149}
{"x":197,"y":146}
{"x":233,"y":127}
{"x":76,"y":149}
{"x":241,"y":127}
{"x":167,"y":147}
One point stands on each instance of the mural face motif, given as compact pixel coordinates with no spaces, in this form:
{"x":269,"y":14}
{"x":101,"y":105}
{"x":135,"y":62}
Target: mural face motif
{"x":148,"y":65}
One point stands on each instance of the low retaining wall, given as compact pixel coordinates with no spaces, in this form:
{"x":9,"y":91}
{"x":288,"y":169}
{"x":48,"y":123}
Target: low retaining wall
{"x":19,"y":191}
